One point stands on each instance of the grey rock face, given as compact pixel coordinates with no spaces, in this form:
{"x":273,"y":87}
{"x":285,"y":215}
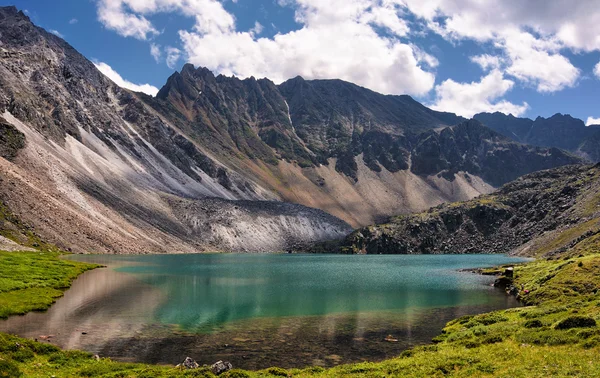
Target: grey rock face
{"x":310,"y":122}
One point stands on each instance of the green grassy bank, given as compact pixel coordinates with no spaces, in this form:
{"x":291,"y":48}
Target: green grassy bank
{"x":554,"y":335}
{"x":31,"y":281}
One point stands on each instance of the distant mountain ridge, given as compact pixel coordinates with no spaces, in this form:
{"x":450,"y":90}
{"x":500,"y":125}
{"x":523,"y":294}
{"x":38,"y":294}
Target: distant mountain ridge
{"x":560,"y":130}
{"x":218,"y":163}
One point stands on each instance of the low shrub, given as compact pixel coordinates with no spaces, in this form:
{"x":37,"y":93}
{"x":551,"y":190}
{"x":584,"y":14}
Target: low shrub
{"x":236,"y":373}
{"x":472,"y":344}
{"x":493,"y":339}
{"x":22,"y":355}
{"x":69,"y":356}
{"x":9,"y":370}
{"x":591,"y":343}
{"x":533,"y":323}
{"x":480,"y":331}
{"x":486,"y":319}
{"x":587,"y":333}
{"x":576,"y":322}
{"x":407,"y":353}
{"x":547,"y":337}
{"x":278,"y":372}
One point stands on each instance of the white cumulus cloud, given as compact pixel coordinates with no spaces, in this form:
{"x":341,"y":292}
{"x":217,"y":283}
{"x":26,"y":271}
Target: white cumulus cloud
{"x":368,"y":42}
{"x":56,"y":33}
{"x":468,"y":99}
{"x":487,"y":62}
{"x":538,"y":62}
{"x":257,"y":29}
{"x":155,"y":52}
{"x":337,"y":39}
{"x":530,"y":34}
{"x":173,"y":55}
{"x":118,"y":79}
{"x":592,"y":121}
{"x":129,"y":17}
{"x":597,"y":70}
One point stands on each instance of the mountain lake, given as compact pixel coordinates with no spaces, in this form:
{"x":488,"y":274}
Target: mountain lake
{"x":263,"y":310}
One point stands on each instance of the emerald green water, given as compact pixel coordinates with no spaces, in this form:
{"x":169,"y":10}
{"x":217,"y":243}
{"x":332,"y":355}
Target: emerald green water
{"x":263,"y":310}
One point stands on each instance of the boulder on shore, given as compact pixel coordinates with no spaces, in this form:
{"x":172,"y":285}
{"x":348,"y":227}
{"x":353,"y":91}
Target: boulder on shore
{"x":220,"y":367}
{"x":189,"y":363}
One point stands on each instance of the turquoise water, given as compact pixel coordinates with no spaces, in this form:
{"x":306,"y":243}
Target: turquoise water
{"x":209,"y":290}
{"x":264,"y":310}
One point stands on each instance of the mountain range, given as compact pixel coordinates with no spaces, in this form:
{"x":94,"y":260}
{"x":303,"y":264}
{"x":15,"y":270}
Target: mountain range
{"x":216,"y":163}
{"x":560,"y":130}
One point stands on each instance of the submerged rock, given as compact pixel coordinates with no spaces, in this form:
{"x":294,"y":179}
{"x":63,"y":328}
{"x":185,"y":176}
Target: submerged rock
{"x":220,"y":367}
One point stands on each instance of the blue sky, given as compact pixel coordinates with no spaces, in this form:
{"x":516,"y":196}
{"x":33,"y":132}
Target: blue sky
{"x":527,"y":58}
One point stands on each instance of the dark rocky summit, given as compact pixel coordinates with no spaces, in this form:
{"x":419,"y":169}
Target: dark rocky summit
{"x":562,"y":201}
{"x":560,"y":130}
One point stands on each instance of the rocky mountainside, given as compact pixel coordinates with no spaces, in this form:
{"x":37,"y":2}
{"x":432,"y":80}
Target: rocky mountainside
{"x":333,"y":145}
{"x":92,"y":168}
{"x":209,"y":161}
{"x":540,"y":214}
{"x":561,"y":131}
{"x":338,"y":119}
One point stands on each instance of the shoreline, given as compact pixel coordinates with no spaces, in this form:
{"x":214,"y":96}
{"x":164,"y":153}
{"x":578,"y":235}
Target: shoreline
{"x":461,"y":337}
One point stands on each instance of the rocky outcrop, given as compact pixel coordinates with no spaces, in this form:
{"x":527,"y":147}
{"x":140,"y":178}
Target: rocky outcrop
{"x":220,"y":367}
{"x":11,"y":140}
{"x":560,"y":203}
{"x":189,"y":363}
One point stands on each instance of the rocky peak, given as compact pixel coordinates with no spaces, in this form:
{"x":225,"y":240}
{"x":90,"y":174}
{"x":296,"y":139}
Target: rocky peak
{"x":188,"y":83}
{"x":16,"y":27}
{"x":12,"y":11}
{"x":188,"y":68}
{"x":560,"y":130}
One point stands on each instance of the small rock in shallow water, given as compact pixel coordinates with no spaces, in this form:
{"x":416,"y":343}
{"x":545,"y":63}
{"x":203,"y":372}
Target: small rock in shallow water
{"x":189,"y":363}
{"x":220,"y":367}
